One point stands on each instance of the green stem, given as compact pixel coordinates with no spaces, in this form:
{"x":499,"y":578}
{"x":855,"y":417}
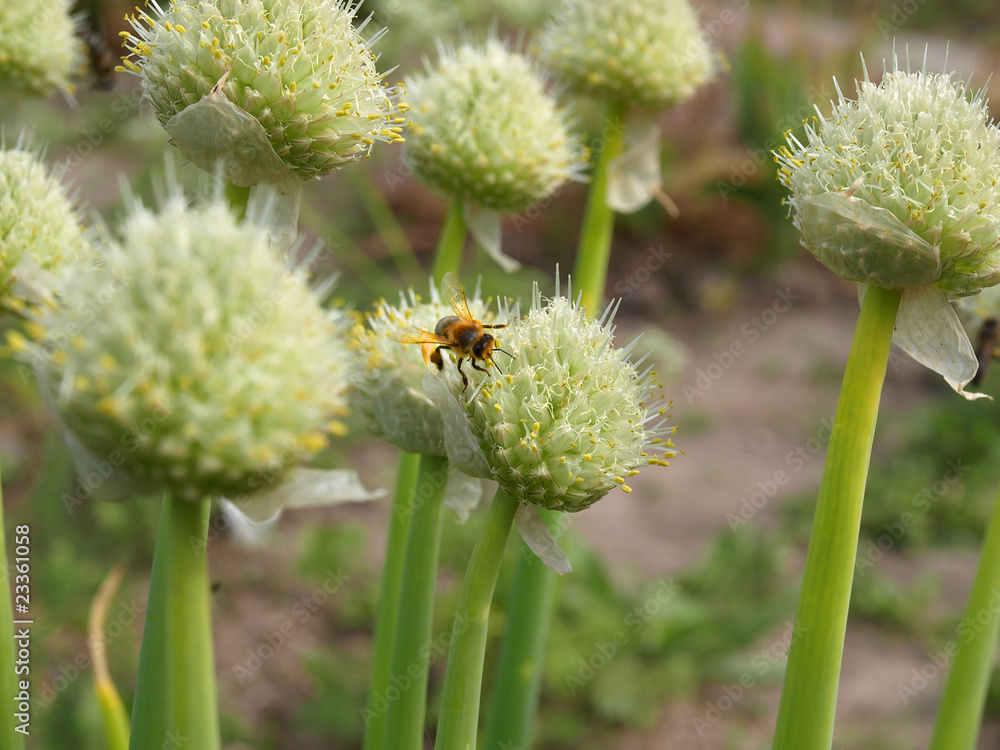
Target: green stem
{"x":960,"y":714}
{"x":114,"y":717}
{"x":405,"y":697}
{"x":809,"y":694}
{"x":392,"y":576}
{"x":9,"y":736}
{"x":448,"y":256}
{"x":238,"y":198}
{"x":463,"y":679}
{"x":511,"y":715}
{"x":175,"y":686}
{"x":591,"y":270}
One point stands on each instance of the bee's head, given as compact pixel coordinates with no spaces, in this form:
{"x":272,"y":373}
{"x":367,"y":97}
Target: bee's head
{"x":482,"y":348}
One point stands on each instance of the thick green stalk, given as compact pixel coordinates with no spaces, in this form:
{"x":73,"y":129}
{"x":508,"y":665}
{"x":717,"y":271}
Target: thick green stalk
{"x":592,"y":259}
{"x":9,"y":689}
{"x":175,"y":686}
{"x":809,"y":694}
{"x":514,"y":703}
{"x":448,"y":256}
{"x":405,"y":697}
{"x":960,"y":714}
{"x":388,"y":608}
{"x":463,"y":679}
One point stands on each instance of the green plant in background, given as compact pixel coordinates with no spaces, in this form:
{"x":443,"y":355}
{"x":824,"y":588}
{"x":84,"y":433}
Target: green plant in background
{"x":771,"y":95}
{"x":420,"y":24}
{"x":674,"y":634}
{"x":486,"y":135}
{"x":896,"y":191}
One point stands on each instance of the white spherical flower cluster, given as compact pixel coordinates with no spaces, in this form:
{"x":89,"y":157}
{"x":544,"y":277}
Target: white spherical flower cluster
{"x":485,"y":131}
{"x":39,"y":47}
{"x":39,"y":228}
{"x":570,"y":418}
{"x":651,"y":55}
{"x":192,"y":357}
{"x":901,"y":187}
{"x":392,"y":399}
{"x":302,"y":70}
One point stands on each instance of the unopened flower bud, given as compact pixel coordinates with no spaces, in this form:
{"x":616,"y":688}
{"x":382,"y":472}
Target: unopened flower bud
{"x":392,"y":398}
{"x":570,"y":418}
{"x":39,"y":47}
{"x":900,"y":189}
{"x":485,"y":131}
{"x":39,"y":229}
{"x":646,"y":54}
{"x":298,"y":87}
{"x":205,"y":367}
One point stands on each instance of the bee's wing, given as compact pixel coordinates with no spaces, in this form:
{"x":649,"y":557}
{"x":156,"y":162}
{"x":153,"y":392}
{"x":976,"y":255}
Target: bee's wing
{"x":420,"y":336}
{"x":451,"y":290}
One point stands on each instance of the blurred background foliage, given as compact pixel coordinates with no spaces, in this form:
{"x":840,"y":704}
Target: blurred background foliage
{"x":726,"y":616}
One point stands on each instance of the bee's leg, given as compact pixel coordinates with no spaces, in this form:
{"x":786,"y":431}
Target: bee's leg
{"x":465,"y":380}
{"x":436,"y":357}
{"x":501,"y":325}
{"x":476,"y":367}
